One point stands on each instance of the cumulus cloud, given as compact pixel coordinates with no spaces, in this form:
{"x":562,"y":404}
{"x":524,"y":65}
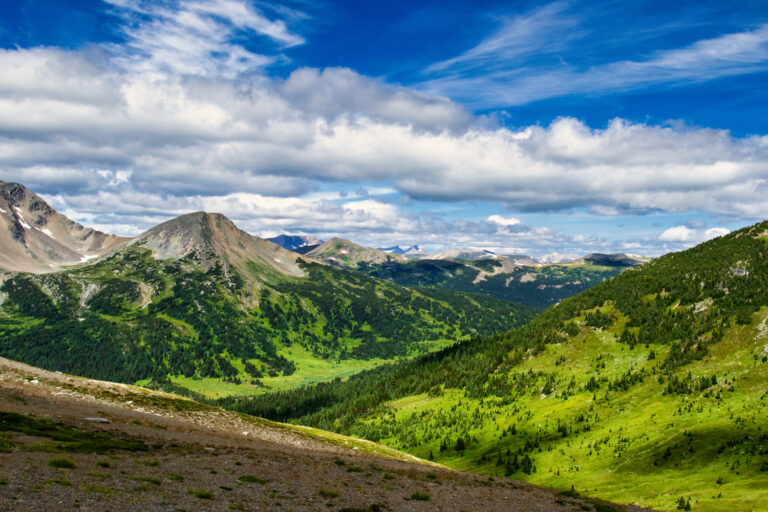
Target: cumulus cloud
{"x":333,"y":93}
{"x":503,"y":221}
{"x":686,"y":235}
{"x":193,"y":134}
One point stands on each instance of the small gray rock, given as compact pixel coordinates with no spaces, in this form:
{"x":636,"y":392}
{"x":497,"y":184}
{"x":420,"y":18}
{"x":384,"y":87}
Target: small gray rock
{"x":97,"y":420}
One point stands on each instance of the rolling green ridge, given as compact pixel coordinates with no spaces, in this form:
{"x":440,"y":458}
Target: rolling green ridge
{"x":536,"y":286}
{"x":133,"y":318}
{"x":651,"y":387}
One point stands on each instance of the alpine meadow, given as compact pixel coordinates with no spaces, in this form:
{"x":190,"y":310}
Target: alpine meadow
{"x":306,"y":255}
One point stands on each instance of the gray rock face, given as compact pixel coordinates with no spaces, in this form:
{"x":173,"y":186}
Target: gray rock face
{"x":35,"y":238}
{"x":211,"y":238}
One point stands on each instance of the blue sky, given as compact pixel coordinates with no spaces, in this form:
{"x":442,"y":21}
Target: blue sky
{"x":531,"y":127}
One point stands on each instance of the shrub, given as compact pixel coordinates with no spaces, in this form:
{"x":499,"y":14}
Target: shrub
{"x":199,"y":493}
{"x":250,"y":479}
{"x":61,"y":463}
{"x":6,"y":443}
{"x":420,"y":496}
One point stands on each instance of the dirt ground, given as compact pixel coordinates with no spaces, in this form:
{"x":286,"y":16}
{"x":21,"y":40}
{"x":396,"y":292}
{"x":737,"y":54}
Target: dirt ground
{"x":196,"y":457}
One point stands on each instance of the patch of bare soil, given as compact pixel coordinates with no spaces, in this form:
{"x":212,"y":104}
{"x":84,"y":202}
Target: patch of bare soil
{"x":173,"y":454}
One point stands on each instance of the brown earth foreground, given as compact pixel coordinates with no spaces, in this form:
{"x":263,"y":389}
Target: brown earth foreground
{"x":140,"y":450}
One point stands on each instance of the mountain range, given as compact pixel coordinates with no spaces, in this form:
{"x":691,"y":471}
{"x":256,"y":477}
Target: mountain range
{"x":643,"y":381}
{"x":197,"y":306}
{"x":516,"y":278}
{"x":413,"y":251}
{"x":304,"y":244}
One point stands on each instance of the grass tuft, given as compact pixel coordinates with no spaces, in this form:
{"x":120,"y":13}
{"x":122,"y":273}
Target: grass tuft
{"x":148,"y":479}
{"x":420,"y":496}
{"x":6,"y":443}
{"x":95,"y":489}
{"x":201,"y":494}
{"x":251,"y":479}
{"x":61,"y":463}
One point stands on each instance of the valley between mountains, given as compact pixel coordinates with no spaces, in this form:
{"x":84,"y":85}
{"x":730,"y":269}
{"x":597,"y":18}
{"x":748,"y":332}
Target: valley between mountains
{"x":198,"y":306}
{"x":649,"y":388}
{"x":608,"y":377}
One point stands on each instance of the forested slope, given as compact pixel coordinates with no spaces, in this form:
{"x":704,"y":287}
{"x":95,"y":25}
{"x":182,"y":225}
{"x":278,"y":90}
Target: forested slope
{"x":197,"y":321}
{"x":650,"y":387}
{"x":538,"y":286}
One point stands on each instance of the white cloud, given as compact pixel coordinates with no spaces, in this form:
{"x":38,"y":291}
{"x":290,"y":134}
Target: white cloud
{"x":195,"y":37}
{"x":335,"y":92}
{"x":678,"y":234}
{"x":683,"y":234}
{"x":715,"y":232}
{"x":503,"y":221}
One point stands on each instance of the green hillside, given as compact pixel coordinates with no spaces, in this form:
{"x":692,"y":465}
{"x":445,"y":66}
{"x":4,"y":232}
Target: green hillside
{"x":537,"y":286}
{"x":651,"y":387}
{"x":220,"y":331}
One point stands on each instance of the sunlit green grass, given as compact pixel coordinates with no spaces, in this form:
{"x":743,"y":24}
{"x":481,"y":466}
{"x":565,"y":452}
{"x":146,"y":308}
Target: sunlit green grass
{"x":310,"y":369}
{"x":644,"y":416}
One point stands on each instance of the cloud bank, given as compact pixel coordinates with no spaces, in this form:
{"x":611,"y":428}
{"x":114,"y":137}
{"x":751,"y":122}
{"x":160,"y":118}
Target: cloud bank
{"x":65,"y":121}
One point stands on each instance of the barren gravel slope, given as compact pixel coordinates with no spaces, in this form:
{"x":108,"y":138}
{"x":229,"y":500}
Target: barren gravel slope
{"x":195,"y":457}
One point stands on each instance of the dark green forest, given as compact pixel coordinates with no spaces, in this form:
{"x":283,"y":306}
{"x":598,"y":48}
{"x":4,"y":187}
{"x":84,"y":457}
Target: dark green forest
{"x":663,"y":302}
{"x":536,"y":286}
{"x":132,"y":317}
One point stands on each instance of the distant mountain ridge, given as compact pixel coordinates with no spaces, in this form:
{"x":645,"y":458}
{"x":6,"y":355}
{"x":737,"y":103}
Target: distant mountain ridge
{"x":615,"y":260}
{"x":395,"y":249}
{"x":345,"y":254}
{"x":517,"y":278}
{"x":306,"y":244}
{"x":413,"y":251}
{"x":458,"y":254}
{"x":294,"y":242}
